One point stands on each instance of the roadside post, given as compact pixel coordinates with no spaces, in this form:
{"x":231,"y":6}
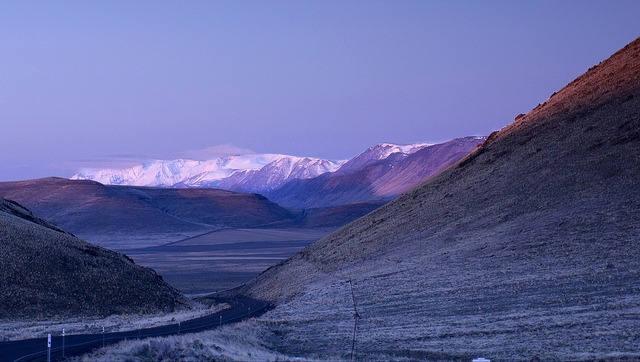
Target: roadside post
{"x":102,"y":336}
{"x":179,"y":327}
{"x":49,"y":347}
{"x":355,"y":319}
{"x":63,"y":334}
{"x":220,"y":320}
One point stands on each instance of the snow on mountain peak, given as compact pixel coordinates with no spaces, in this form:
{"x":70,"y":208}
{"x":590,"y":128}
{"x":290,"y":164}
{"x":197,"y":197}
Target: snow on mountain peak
{"x":233,"y":172}
{"x":279,"y":172}
{"x":166,"y":173}
{"x":244,"y":173}
{"x":390,"y":148}
{"x":379,"y":152}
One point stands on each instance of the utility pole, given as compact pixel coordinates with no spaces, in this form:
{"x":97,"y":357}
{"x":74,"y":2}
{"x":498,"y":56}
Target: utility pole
{"x":49,"y":347}
{"x":356,"y":316}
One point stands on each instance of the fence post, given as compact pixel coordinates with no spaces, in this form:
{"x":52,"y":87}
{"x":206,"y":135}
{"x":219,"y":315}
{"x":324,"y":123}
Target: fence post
{"x":355,"y":319}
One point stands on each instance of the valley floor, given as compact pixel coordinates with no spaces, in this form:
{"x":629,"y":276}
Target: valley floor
{"x":223,"y":259}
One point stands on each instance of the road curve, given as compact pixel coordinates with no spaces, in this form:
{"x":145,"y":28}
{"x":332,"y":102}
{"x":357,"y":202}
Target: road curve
{"x":35,"y":349}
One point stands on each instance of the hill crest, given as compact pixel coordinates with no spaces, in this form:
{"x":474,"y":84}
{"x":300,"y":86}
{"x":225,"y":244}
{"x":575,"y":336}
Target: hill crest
{"x":47,"y":272}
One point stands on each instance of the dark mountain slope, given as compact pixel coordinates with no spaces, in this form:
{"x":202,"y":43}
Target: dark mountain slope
{"x":46,"y":272}
{"x":529,"y":246}
{"x":13,"y":208}
{"x":381,"y":180}
{"x":88,"y":208}
{"x":336,"y":216}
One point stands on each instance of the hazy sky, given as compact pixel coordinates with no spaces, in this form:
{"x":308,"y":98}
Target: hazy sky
{"x":97,"y":81}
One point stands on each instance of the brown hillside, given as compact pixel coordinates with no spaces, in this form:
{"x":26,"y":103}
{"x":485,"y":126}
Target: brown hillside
{"x":529,"y":246}
{"x":45,"y":272}
{"x":118,"y":216}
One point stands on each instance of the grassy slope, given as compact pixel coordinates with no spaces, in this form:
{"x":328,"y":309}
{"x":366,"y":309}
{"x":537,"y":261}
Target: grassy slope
{"x":528,"y":246}
{"x":46,"y":272}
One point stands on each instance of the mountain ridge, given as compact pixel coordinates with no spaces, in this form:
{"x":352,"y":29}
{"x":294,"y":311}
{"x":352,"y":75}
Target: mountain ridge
{"x":253,"y":173}
{"x":275,"y":174}
{"x":379,"y":152}
{"x":209,"y":173}
{"x":380,"y":173}
{"x":90,"y":209}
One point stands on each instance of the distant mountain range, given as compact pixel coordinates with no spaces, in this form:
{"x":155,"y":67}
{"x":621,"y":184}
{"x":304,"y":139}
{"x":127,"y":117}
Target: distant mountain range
{"x":245,"y":173}
{"x":380,"y":173}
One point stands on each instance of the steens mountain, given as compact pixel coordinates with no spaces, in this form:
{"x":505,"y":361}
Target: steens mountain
{"x":379,"y":152}
{"x":527,"y":248}
{"x":108,"y":214}
{"x":245,"y":173}
{"x":166,"y":173}
{"x":277,"y":173}
{"x":381,"y":173}
{"x":47,"y":272}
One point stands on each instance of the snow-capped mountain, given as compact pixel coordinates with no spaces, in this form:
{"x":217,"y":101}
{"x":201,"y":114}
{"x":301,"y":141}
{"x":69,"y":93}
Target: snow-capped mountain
{"x":380,"y":152}
{"x":277,"y":173}
{"x":380,"y":173}
{"x":166,"y":173}
{"x":241,"y":172}
{"x":254,"y":173}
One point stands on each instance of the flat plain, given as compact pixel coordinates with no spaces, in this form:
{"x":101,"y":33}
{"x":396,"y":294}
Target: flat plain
{"x":223,"y":259}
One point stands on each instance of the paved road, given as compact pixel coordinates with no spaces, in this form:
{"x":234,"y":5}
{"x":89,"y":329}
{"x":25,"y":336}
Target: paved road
{"x":78,"y":344}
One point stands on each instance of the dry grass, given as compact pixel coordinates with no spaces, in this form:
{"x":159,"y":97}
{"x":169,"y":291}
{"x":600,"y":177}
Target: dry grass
{"x":48,"y":273}
{"x":240,"y":342}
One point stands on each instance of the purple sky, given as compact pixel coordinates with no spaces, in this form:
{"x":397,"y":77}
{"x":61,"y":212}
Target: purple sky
{"x":120,"y":80}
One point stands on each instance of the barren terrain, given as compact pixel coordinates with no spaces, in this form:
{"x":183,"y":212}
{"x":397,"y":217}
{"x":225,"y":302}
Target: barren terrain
{"x":223,"y":259}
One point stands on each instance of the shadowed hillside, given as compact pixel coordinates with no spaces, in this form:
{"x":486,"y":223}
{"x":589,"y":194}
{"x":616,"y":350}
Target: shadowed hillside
{"x":46,"y":272}
{"x":529,"y":246}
